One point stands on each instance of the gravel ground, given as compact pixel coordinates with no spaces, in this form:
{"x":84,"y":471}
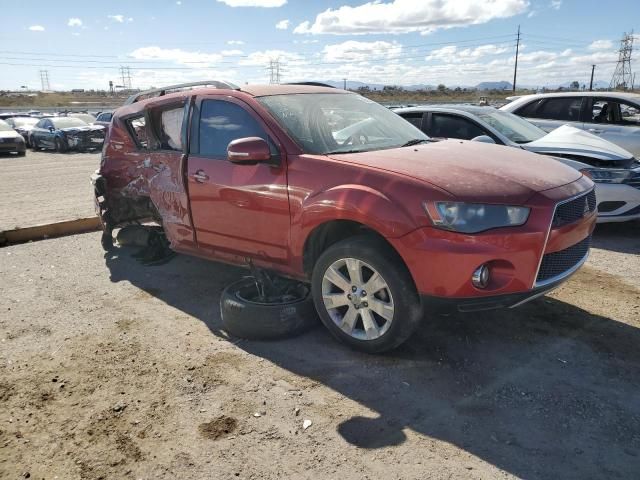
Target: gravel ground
{"x":109,"y":369}
{"x":45,"y":187}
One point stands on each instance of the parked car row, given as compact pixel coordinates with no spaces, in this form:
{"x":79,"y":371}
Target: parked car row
{"x":330,"y":188}
{"x":62,"y":131}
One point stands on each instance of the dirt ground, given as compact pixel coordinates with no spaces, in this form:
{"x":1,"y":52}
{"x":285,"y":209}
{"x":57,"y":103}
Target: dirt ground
{"x":30,"y":188}
{"x":112,"y":370}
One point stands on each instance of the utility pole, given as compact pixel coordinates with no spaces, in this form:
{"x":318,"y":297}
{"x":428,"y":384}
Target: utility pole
{"x":593,"y":68}
{"x":344,"y":83}
{"x":44,"y":80}
{"x":622,"y":77}
{"x":515,"y":68}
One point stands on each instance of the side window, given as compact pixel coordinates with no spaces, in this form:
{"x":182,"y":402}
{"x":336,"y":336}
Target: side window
{"x":104,"y":117}
{"x":40,"y":124}
{"x":48,"y":124}
{"x":168,"y":128}
{"x":222,"y":122}
{"x":567,"y":108}
{"x":414,"y":118}
{"x":449,"y":126}
{"x":529,"y":110}
{"x":137,"y":128}
{"x":615,"y":112}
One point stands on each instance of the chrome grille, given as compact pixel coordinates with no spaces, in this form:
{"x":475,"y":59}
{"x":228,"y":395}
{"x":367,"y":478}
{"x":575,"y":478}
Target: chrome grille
{"x":575,"y":209}
{"x":557,"y":263}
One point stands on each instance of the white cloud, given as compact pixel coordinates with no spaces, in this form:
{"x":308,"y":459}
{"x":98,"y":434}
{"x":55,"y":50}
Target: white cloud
{"x":262,"y":58}
{"x":556,"y":4}
{"x":175,"y":55}
{"x":74,"y":22}
{"x":235,"y":42}
{"x":36,"y":28}
{"x":178,"y":2}
{"x":282,"y":24}
{"x":130,"y":19}
{"x":75,"y":34}
{"x":354,"y":51}
{"x":231,"y":53}
{"x":116,"y":18}
{"x":601,"y":45}
{"x":453,"y":54}
{"x":403,"y":16}
{"x":254,"y":3}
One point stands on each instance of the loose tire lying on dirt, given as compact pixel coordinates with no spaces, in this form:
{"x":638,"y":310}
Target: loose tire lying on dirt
{"x":243,"y":315}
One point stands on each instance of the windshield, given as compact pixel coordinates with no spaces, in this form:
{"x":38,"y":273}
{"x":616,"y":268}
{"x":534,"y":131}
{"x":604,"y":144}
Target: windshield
{"x":4,"y":126}
{"x":324,"y":123}
{"x":23,"y":121}
{"x":516,"y":129}
{"x":66,"y":122}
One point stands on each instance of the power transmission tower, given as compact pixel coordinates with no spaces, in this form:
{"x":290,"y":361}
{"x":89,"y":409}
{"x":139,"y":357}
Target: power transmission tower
{"x":515,"y":68}
{"x":44,"y":80}
{"x":274,"y":71}
{"x":622,"y":77}
{"x":125,"y":73}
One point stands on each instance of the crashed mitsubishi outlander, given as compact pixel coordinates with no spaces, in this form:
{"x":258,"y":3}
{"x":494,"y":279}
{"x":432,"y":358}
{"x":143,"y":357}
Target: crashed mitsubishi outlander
{"x":386,"y":225}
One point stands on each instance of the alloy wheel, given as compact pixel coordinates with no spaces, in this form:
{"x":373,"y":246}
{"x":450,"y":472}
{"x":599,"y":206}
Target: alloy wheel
{"x":357,"y":298}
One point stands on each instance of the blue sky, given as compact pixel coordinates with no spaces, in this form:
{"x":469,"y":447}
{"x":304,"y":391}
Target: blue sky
{"x":82,"y":44}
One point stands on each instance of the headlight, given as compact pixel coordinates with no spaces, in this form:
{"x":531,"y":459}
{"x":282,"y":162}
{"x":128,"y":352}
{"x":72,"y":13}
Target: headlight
{"x":607,"y":175}
{"x":473,"y":217}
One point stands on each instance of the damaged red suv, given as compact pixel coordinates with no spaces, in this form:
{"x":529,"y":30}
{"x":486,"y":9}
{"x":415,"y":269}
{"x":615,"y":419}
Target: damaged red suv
{"x":328,"y":187}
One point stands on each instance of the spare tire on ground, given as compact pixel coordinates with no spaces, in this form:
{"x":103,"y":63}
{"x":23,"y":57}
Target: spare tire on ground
{"x":247,"y":312}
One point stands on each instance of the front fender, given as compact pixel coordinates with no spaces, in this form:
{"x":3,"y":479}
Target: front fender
{"x":357,"y":203}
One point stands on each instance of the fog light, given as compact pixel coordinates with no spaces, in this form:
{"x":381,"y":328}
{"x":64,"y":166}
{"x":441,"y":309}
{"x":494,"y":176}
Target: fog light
{"x":480,"y":277}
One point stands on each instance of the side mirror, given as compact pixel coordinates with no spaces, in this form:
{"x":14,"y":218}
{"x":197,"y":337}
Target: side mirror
{"x":52,"y":129}
{"x":249,"y":150}
{"x":483,"y":139}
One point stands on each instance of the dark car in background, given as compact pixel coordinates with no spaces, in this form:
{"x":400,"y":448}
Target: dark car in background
{"x":104,"y":119}
{"x":23,"y":125}
{"x":10,"y":140}
{"x":66,"y":133}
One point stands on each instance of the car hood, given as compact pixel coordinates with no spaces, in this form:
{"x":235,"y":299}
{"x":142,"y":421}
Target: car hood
{"x":567,"y":140}
{"x":87,"y":128}
{"x":9,"y":134}
{"x":472,"y":171}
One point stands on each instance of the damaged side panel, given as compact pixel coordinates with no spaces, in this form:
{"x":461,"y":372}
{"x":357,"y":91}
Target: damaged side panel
{"x":139,"y":181}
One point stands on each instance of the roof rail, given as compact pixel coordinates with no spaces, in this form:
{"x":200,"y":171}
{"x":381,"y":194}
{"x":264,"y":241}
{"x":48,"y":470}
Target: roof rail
{"x":311,"y":84}
{"x":159,"y":92}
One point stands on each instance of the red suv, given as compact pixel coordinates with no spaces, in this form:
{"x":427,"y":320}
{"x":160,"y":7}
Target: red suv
{"x":326,"y":186}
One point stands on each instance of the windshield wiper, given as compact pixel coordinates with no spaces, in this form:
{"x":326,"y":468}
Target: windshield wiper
{"x":336,"y":152}
{"x":415,"y":141}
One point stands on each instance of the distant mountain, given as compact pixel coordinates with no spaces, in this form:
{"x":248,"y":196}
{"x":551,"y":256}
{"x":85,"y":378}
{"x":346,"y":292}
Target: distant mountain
{"x":494,"y":86}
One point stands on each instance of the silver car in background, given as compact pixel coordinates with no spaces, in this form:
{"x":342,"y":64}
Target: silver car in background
{"x":614,"y":116}
{"x":614,"y":170}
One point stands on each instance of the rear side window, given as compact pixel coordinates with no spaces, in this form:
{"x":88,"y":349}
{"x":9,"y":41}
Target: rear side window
{"x":567,"y":108}
{"x":222,"y":122}
{"x":170,"y":129}
{"x":138,"y":129}
{"x":449,"y":126}
{"x":104,"y":117}
{"x":414,"y":118}
{"x":529,"y":110}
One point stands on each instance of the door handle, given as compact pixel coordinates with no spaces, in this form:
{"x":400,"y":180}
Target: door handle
{"x":595,"y":130}
{"x":200,"y":176}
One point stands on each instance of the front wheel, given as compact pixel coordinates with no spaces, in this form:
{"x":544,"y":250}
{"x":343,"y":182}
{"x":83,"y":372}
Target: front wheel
{"x":365,"y":295}
{"x":60,"y":147}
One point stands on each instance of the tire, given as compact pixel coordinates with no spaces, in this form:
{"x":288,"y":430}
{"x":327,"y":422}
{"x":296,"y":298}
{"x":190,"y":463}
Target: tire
{"x":22,"y":154}
{"x":265,"y":321}
{"x":60,"y":148}
{"x":395,"y":296}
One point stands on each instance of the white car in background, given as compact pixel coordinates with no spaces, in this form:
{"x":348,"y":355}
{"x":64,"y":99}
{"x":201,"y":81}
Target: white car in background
{"x":614,"y":170}
{"x":613,"y":116}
